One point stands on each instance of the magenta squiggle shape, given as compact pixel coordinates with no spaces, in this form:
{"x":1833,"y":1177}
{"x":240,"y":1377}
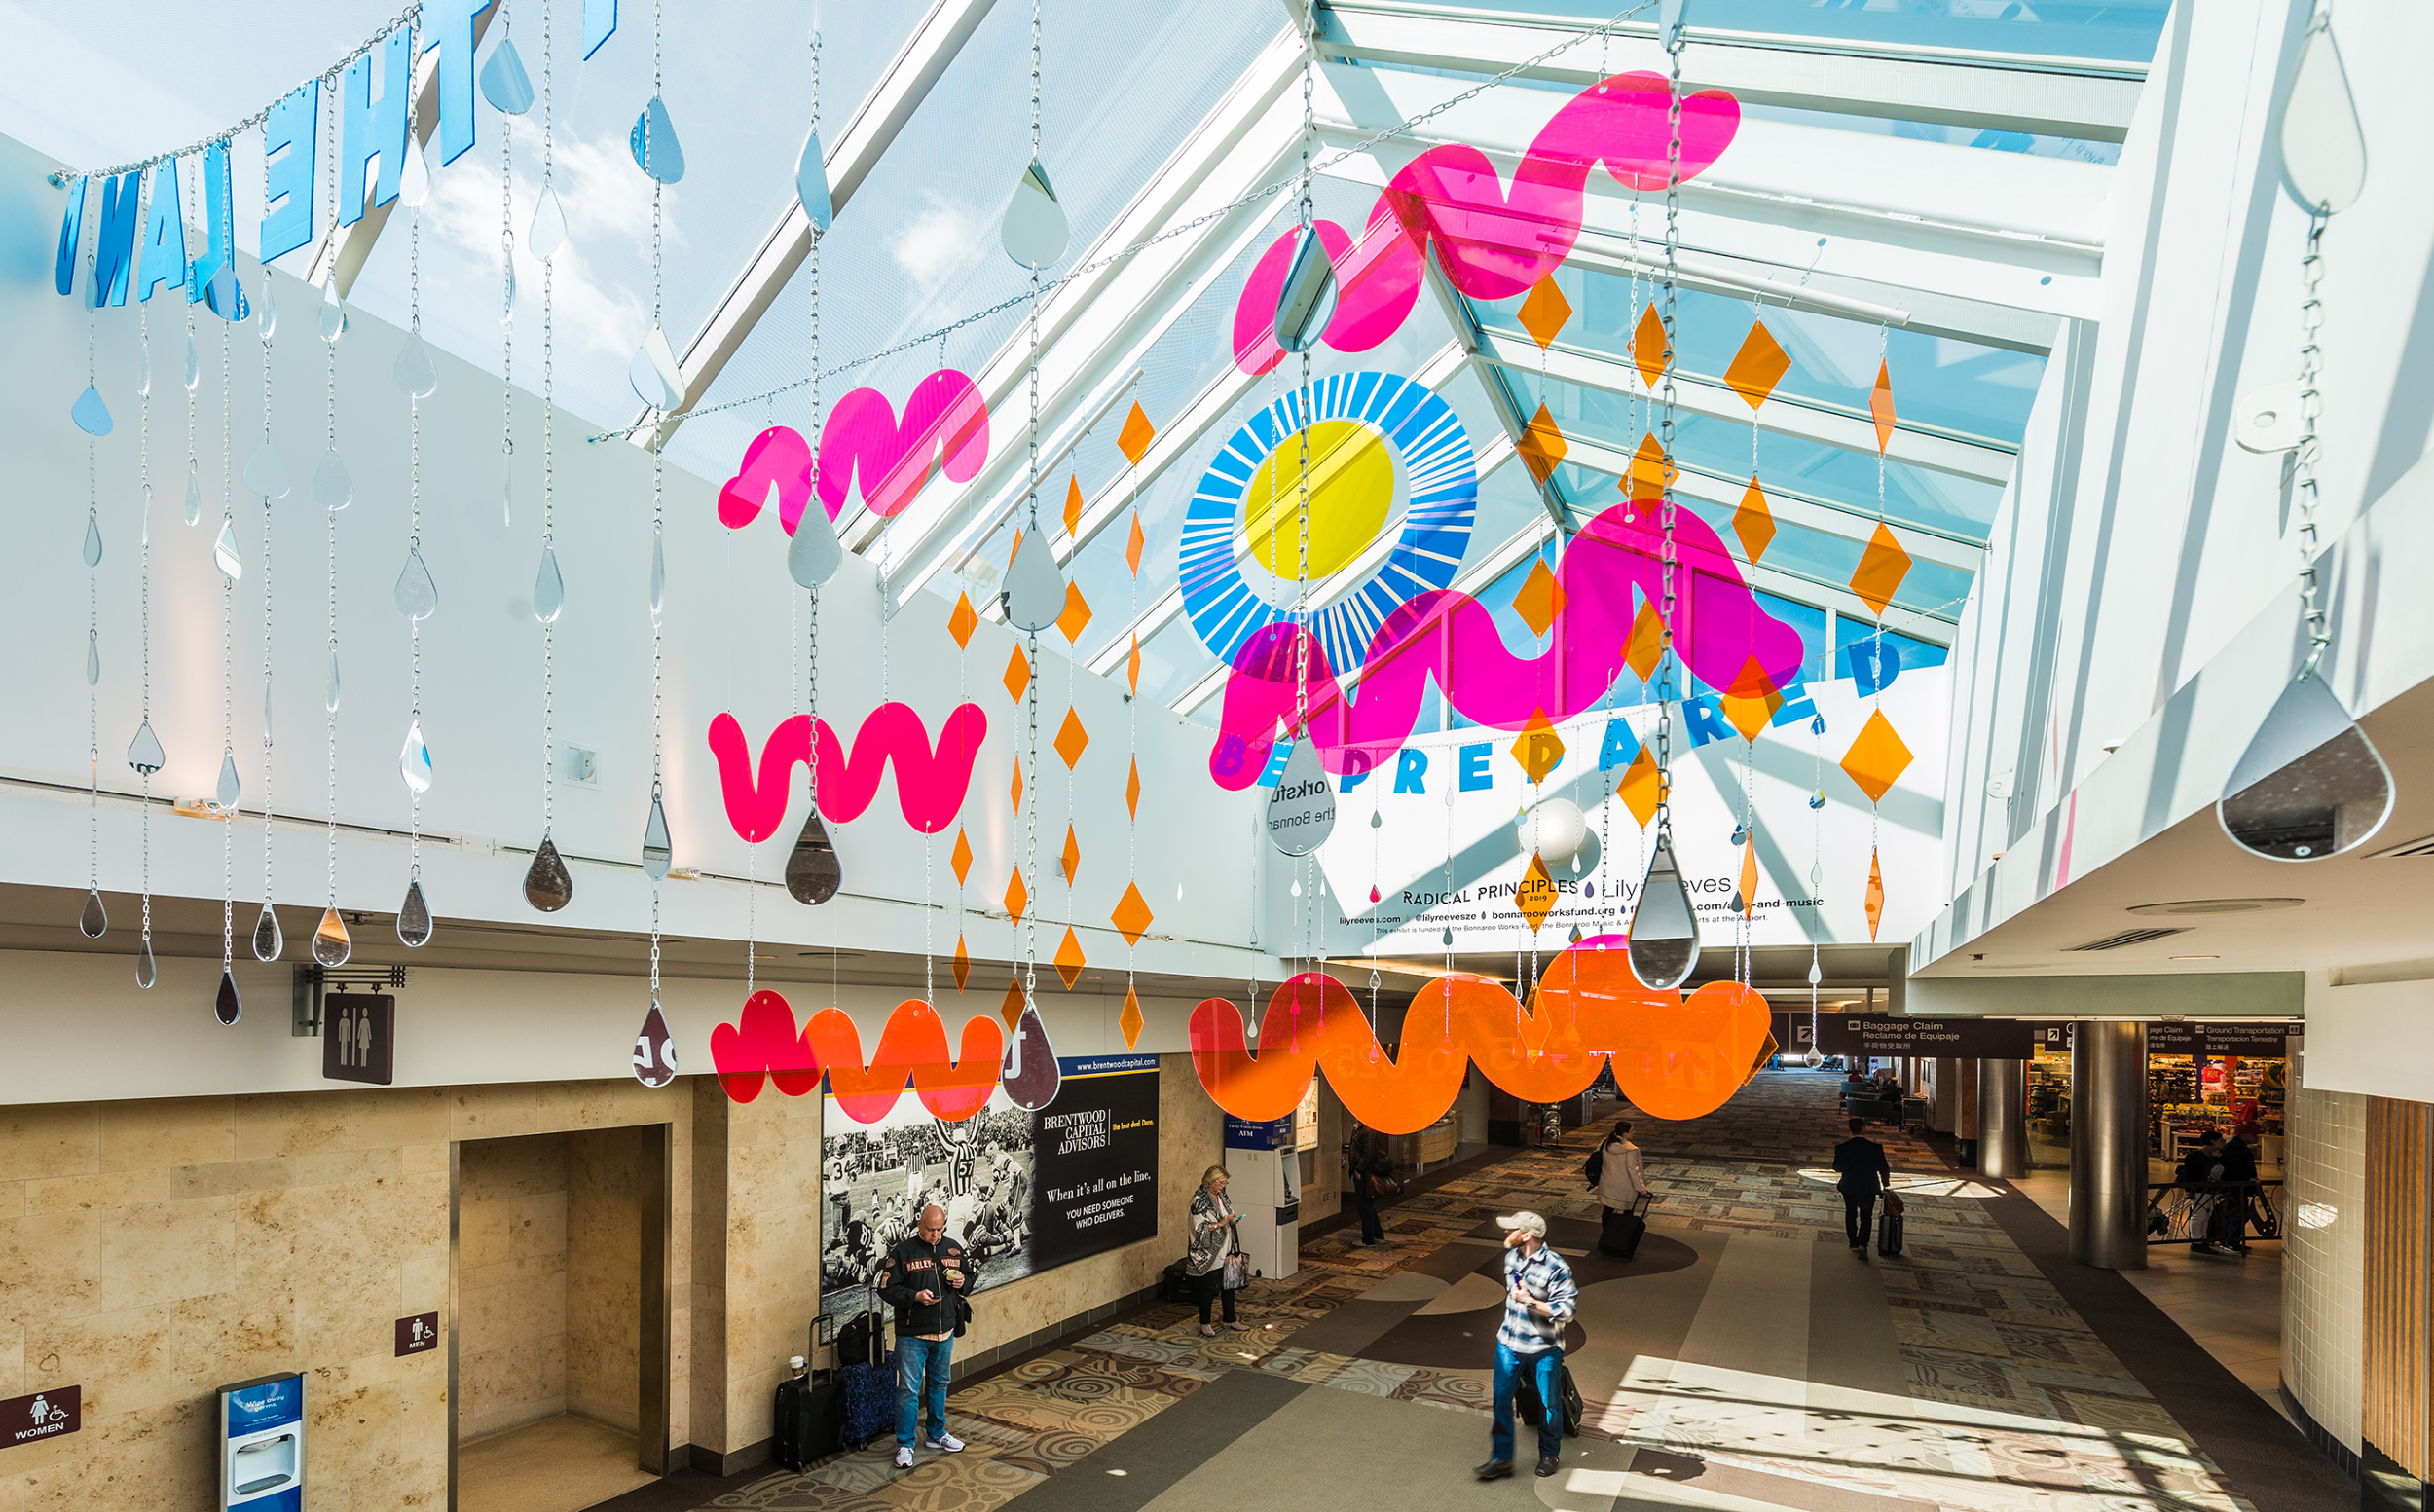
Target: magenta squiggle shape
{"x":930,"y":783}
{"x":1722,"y":632}
{"x":946,"y":423}
{"x":1491,"y":245}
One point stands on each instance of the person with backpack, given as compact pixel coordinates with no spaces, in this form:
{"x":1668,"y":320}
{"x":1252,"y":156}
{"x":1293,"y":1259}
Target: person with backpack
{"x":925,"y":1280}
{"x":1621,"y":1182}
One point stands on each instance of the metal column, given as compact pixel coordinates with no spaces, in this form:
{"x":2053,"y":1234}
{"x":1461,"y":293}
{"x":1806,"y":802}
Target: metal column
{"x":2003,"y":1118}
{"x":2109,"y":1146}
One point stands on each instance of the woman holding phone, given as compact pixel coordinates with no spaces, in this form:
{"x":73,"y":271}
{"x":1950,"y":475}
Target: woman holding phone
{"x":1214,"y":1221}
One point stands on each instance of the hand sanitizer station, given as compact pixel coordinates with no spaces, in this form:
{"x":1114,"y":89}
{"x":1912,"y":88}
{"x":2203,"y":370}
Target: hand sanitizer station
{"x":1261,"y":1156}
{"x":262,"y":1444}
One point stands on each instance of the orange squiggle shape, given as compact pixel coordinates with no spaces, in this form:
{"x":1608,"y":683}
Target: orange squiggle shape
{"x":1674,"y":1058}
{"x":762,"y":1045}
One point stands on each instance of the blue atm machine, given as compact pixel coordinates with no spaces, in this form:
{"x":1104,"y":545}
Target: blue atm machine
{"x":262,"y":1444}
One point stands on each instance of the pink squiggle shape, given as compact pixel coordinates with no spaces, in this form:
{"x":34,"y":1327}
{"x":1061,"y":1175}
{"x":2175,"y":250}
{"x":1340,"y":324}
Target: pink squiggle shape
{"x":946,"y":421}
{"x":1722,"y":633}
{"x":1491,"y":245}
{"x":929,"y":786}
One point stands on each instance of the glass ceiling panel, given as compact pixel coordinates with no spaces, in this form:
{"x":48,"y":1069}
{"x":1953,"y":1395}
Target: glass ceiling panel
{"x":2108,"y":31}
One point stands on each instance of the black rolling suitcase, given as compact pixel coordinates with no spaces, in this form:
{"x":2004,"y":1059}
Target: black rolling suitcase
{"x":1623,"y":1230}
{"x":810,"y":1414}
{"x":868,"y":1375}
{"x":1533,"y":1411}
{"x":1889,"y":1236}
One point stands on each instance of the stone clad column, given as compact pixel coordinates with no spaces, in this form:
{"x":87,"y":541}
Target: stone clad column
{"x":2003,"y":1118}
{"x":2109,"y":1146}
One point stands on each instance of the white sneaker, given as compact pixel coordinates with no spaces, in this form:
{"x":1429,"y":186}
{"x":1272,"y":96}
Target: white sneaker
{"x":903,"y":1457}
{"x":944,"y":1441}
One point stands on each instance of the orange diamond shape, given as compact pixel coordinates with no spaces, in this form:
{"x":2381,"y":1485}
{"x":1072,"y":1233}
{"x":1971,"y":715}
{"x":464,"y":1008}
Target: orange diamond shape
{"x":1641,"y":787}
{"x":1071,"y":738}
{"x":1132,"y":546}
{"x":1131,"y":1020}
{"x":1077,"y":613}
{"x":1882,"y":566}
{"x":1133,"y":790}
{"x":1539,"y":599}
{"x":1069,"y":960}
{"x":961,"y":623}
{"x":1542,"y":444}
{"x":1132,"y":917}
{"x":963,"y":964}
{"x":1752,"y":700}
{"x":1650,"y":348}
{"x":1544,"y":311}
{"x":1072,"y":856}
{"x":1073,"y":505}
{"x":1535,"y":897}
{"x":1880,"y":406}
{"x":1016,"y":790}
{"x":1875,"y":893}
{"x":1132,"y":666}
{"x":1011,"y":1010}
{"x":1753,"y":522}
{"x":1877,"y":758}
{"x":1750,"y":875}
{"x":1759,"y":366}
{"x":1650,"y":471}
{"x":1646,"y":646}
{"x":961,"y":859}
{"x":1017,"y":895}
{"x":1137,"y":434}
{"x":1017,"y":675}
{"x":1538,"y":748}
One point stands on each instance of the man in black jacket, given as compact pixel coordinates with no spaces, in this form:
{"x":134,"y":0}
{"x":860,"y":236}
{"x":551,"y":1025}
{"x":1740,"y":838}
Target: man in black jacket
{"x":1864,"y":1174}
{"x":925,"y":1279}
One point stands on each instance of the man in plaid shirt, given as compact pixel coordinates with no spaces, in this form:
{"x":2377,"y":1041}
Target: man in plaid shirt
{"x":1539,"y":1295}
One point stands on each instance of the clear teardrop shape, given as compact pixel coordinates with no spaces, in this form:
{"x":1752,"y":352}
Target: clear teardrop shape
{"x":416,"y":594}
{"x":414,"y":918}
{"x":193,"y":364}
{"x":92,"y":658}
{"x":1816,"y":875}
{"x":230,"y":790}
{"x":266,"y":476}
{"x":414,"y":758}
{"x":1376,"y":819}
{"x":657,"y":853}
{"x":267,"y":942}
{"x":1816,"y":724}
{"x":1816,"y":976}
{"x":1816,"y":800}
{"x":652,"y":141}
{"x":1306,"y":299}
{"x":224,"y":552}
{"x":550,"y":227}
{"x":333,"y":312}
{"x":221,"y":295}
{"x":2311,"y":784}
{"x":143,"y":370}
{"x":147,"y":969}
{"x":1663,"y":932}
{"x":504,"y":82}
{"x":144,"y":752}
{"x":813,"y":873}
{"x":2324,"y":152}
{"x":194,"y":494}
{"x":656,"y":378}
{"x":1448,"y":940}
{"x":226,"y":1006}
{"x":1297,"y":888}
{"x":1033,"y":590}
{"x":659,"y":574}
{"x":1302,"y":806}
{"x":507,"y":500}
{"x":1034,"y":230}
{"x":654,"y":1050}
{"x":549,"y":590}
{"x":1029,"y":1074}
{"x":332,"y":488}
{"x":414,"y":374}
{"x":95,"y":921}
{"x":266,"y":315}
{"x":547,"y":884}
{"x":1739,"y":834}
{"x":815,"y":554}
{"x":811,"y":183}
{"x":92,"y":416}
{"x":414,"y":174}
{"x":329,"y":689}
{"x":93,"y":541}
{"x":330,"y":944}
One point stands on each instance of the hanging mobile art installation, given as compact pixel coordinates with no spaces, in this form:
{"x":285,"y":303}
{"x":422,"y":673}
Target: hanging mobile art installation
{"x":654,"y":1047}
{"x":415,"y":593}
{"x":333,"y":491}
{"x":144,"y":752}
{"x":547,"y":884}
{"x":90,"y":416}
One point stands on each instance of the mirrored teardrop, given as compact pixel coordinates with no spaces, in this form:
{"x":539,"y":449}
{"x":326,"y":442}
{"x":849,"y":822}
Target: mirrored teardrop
{"x":143,"y":753}
{"x":147,"y":969}
{"x":265,"y":310}
{"x":657,"y":852}
{"x":1663,"y":932}
{"x":226,"y":1006}
{"x":193,"y":364}
{"x":1448,"y":940}
{"x":143,"y":371}
{"x":330,"y":944}
{"x":549,"y":590}
{"x":332,"y":489}
{"x":333,"y":320}
{"x":2324,"y":152}
{"x":92,"y":658}
{"x":2311,"y":784}
{"x":414,"y":174}
{"x":414,"y":758}
{"x":507,"y":500}
{"x":815,"y":554}
{"x":230,"y":790}
{"x":1300,"y":811}
{"x":266,"y":476}
{"x":507,"y":300}
{"x":1816,"y":875}
{"x":659,"y":574}
{"x":92,"y":416}
{"x":95,"y":921}
{"x":267,"y":942}
{"x":1033,"y":590}
{"x":548,"y":886}
{"x":414,"y":918}
{"x":329,"y":689}
{"x":813,"y":873}
{"x":266,"y":709}
{"x":1034,"y":231}
{"x":1306,"y":299}
{"x":1816,"y":724}
{"x":504,"y":82}
{"x":811,"y":183}
{"x":654,"y":1050}
{"x":414,"y":374}
{"x":652,"y":141}
{"x":1816,"y":976}
{"x":224,"y":552}
{"x":194,"y":494}
{"x":1816,"y":800}
{"x":1739,"y":834}
{"x":548,"y":231}
{"x":93,"y":541}
{"x":416,"y":594}
{"x":1736,"y":903}
{"x":656,"y":378}
{"x":1029,"y":1074}
{"x":222,"y":297}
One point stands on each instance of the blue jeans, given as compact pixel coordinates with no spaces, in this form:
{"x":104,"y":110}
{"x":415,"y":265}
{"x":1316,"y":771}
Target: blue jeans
{"x":1542,"y":1367}
{"x":921,"y":1371}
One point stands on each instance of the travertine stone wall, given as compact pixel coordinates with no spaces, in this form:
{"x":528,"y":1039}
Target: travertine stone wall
{"x":512,"y":1282}
{"x":604,"y":1277}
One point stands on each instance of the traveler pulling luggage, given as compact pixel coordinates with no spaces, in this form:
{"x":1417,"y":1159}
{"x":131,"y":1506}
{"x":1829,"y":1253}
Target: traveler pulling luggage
{"x":1624,"y":1230}
{"x":1889,"y":1228}
{"x":869,"y":1376}
{"x":810,"y":1408}
{"x":1533,"y":1411}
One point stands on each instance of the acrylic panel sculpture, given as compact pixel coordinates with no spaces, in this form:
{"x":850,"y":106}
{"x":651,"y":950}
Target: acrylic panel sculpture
{"x":930,"y":783}
{"x":946,"y":423}
{"x":763,"y":1046}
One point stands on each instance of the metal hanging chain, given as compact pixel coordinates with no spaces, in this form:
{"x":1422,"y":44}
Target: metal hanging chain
{"x":1884,"y":339}
{"x":1031,"y":639}
{"x":330,"y":533}
{"x":228,"y":666}
{"x":413,"y":527}
{"x":507,"y":298}
{"x":1665,"y":443}
{"x":2303,"y":487}
{"x":549,"y":449}
{"x":92,"y":616}
{"x":268,"y":645}
{"x":143,"y":548}
{"x":658,"y":539}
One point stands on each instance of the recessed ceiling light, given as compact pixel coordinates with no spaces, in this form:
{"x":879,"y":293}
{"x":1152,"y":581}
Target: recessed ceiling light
{"x":2219,"y":906}
{"x":2197,"y":958}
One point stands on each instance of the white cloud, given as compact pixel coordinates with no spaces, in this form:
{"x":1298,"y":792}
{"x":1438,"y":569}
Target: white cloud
{"x":942,"y":241}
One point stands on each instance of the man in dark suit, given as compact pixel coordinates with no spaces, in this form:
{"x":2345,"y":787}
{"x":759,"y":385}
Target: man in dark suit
{"x":1864,"y":1172}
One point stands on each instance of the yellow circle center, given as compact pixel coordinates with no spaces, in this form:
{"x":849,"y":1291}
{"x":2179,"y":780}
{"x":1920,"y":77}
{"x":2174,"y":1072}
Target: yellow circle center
{"x":1352,"y":489}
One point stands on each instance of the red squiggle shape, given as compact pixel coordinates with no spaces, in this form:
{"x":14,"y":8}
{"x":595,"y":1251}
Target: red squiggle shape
{"x":946,"y":421}
{"x":1719,"y":629}
{"x":1491,"y":246}
{"x":762,"y":1045}
{"x":929,"y":786}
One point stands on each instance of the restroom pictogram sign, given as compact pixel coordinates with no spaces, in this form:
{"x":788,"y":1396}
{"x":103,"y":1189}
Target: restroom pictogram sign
{"x":41,"y":1416}
{"x":417,"y":1334}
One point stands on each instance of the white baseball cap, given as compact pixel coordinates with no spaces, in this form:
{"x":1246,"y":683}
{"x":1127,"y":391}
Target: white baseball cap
{"x":1527,"y":1222}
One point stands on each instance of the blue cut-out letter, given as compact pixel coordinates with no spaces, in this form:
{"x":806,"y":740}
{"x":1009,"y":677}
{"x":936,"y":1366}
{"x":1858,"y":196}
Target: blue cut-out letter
{"x":289,"y":137}
{"x":375,"y":129}
{"x":164,"y":235}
